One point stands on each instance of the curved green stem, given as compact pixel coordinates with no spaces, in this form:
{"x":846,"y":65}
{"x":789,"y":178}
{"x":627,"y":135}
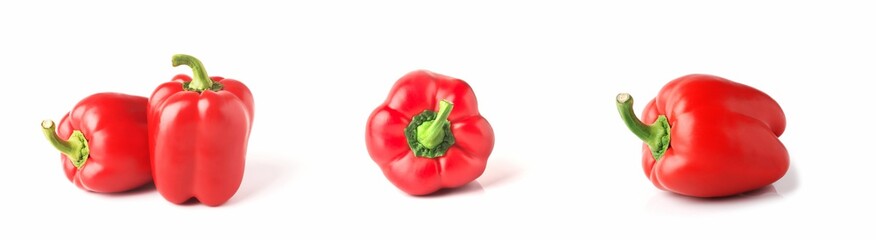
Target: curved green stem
{"x":200,"y":80}
{"x":431,"y":133}
{"x":655,"y":135}
{"x":428,"y":134}
{"x":75,"y":147}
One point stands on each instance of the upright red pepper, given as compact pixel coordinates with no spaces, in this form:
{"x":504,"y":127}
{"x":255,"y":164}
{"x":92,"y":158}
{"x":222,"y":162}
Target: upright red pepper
{"x":105,"y":148}
{"x":198,"y":134}
{"x":710,"y":137}
{"x":429,"y":134}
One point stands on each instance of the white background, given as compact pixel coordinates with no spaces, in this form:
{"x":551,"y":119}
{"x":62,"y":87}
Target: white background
{"x":545,"y":74}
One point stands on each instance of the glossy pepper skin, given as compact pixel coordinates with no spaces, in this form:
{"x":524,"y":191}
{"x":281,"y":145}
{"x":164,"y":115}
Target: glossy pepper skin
{"x":416,"y":152}
{"x":710,"y":137}
{"x":198,"y":134}
{"x":103,"y":141}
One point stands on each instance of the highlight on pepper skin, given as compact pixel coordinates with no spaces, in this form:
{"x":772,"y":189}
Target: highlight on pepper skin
{"x":706,"y":136}
{"x":205,"y":162}
{"x":428,"y":134}
{"x":116,"y":159}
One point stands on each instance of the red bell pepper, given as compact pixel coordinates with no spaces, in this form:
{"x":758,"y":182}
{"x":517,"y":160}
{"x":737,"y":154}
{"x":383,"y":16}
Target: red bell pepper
{"x":429,"y":134}
{"x":106,"y":148}
{"x":709,"y":137}
{"x":198,"y":134}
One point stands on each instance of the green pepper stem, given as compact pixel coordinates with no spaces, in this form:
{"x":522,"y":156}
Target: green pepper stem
{"x":655,"y":135}
{"x":431,"y":133}
{"x":76,"y":147}
{"x":200,"y":80}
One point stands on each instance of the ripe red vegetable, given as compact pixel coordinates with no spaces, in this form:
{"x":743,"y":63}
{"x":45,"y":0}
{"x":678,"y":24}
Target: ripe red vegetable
{"x":429,"y":134}
{"x":103,"y":142}
{"x":709,"y":137}
{"x":198,"y":134}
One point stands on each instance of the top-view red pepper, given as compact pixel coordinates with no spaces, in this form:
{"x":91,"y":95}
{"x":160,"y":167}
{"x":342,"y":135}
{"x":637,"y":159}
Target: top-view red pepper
{"x":198,"y":134}
{"x":709,"y":137}
{"x":429,"y":134}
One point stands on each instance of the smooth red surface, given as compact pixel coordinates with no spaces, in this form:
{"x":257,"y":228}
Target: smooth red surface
{"x":464,"y":162}
{"x":199,"y":140}
{"x":114,"y":125}
{"x":723,"y":139}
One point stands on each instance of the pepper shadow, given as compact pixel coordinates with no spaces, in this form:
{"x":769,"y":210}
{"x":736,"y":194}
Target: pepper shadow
{"x":259,"y":174}
{"x":499,"y":172}
{"x":788,"y":183}
{"x":673,"y":203}
{"x":148,"y":188}
{"x":471,"y":188}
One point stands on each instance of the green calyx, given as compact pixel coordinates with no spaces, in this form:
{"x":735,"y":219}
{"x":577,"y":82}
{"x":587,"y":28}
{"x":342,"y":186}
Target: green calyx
{"x":429,"y":133}
{"x":655,"y":135}
{"x":75,"y":147}
{"x":200,"y":80}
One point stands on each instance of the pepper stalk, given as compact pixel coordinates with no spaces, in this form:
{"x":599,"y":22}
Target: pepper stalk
{"x":655,"y":135}
{"x":429,"y":133}
{"x":200,"y":80}
{"x":75,"y":147}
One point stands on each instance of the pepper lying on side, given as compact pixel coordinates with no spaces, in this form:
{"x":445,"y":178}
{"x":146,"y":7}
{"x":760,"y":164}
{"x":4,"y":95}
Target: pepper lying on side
{"x":709,"y":137}
{"x":103,"y":142}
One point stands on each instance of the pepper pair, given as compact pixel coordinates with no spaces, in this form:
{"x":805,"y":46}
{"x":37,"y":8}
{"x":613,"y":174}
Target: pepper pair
{"x":189,"y":138}
{"x":724,"y":135}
